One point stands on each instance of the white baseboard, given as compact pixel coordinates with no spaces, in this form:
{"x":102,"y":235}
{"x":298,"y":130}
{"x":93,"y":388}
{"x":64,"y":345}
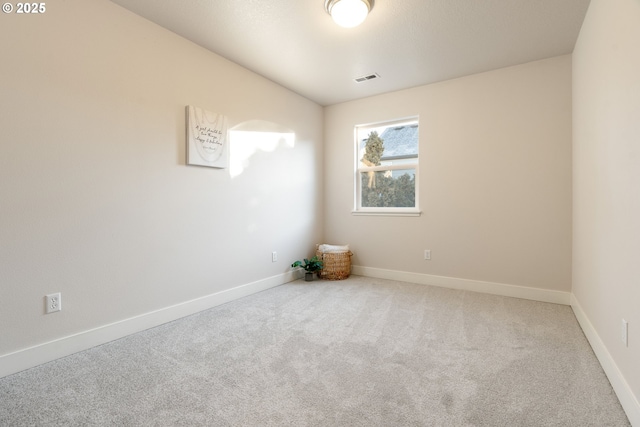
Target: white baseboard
{"x":536,"y":294}
{"x":20,"y":360}
{"x":625,"y":395}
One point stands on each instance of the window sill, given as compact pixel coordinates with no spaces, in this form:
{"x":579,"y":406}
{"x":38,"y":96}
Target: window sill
{"x":387,"y":213}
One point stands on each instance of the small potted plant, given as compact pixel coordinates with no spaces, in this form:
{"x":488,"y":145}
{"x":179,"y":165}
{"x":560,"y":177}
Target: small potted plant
{"x":310,"y":266}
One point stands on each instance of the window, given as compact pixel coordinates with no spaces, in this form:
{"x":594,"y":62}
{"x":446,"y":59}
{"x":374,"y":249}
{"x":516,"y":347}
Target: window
{"x":387,"y":168}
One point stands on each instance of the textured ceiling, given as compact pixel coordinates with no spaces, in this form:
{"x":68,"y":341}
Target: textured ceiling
{"x":407,"y":42}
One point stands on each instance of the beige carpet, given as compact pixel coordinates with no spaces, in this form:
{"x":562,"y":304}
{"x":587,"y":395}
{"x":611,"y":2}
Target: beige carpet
{"x":359,"y":352}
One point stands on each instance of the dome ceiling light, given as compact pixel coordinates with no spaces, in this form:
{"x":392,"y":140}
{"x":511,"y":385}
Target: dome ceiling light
{"x":348,"y":13}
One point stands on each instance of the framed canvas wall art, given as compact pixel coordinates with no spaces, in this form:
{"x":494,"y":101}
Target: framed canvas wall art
{"x":207,"y":142}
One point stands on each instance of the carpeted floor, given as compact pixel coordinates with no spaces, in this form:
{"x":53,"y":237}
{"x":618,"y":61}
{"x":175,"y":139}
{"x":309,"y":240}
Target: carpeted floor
{"x":359,"y":352}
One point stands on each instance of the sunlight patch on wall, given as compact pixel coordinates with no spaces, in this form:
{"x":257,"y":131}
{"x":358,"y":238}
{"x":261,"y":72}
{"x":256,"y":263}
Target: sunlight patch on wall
{"x":249,"y":138}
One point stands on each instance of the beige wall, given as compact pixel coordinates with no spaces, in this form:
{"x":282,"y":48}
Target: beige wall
{"x":95,"y":199}
{"x":606,"y":221}
{"x":495,"y":178}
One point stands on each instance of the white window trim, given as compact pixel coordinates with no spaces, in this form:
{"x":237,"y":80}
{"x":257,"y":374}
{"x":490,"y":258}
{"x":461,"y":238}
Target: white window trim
{"x":384,"y":212}
{"x":377,"y":211}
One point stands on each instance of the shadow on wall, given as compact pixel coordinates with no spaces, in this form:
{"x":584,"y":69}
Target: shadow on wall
{"x":250,"y":137}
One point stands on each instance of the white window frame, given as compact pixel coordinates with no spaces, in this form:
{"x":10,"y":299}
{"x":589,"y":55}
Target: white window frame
{"x":365,"y":129}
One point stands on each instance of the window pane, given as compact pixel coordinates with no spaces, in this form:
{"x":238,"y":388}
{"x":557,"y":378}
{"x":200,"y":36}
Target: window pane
{"x":388,"y":189}
{"x":387,"y":145}
{"x":386,"y":167}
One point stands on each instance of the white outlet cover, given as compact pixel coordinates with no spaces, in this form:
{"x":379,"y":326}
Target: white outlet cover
{"x":53,"y":303}
{"x":624,"y":332}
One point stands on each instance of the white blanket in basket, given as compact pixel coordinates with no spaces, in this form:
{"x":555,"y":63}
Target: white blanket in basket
{"x":332,"y":249}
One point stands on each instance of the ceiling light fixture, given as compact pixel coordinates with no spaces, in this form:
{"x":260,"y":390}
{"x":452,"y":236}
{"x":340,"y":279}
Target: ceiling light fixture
{"x":348,"y":13}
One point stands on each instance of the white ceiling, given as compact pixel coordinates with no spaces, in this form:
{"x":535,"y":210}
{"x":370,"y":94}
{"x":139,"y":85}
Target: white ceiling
{"x":407,"y":42}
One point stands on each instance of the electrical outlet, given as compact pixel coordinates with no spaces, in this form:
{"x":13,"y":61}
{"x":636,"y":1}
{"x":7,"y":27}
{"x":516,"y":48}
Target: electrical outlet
{"x":54,"y":302}
{"x":274,"y":256}
{"x":624,"y":333}
{"x":427,"y":254}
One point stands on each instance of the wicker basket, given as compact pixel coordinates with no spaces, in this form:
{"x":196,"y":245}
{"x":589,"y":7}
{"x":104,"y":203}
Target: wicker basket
{"x":336,"y":265}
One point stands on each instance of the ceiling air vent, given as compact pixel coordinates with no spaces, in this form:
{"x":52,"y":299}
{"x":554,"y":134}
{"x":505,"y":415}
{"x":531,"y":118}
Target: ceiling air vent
{"x":367,"y":77}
